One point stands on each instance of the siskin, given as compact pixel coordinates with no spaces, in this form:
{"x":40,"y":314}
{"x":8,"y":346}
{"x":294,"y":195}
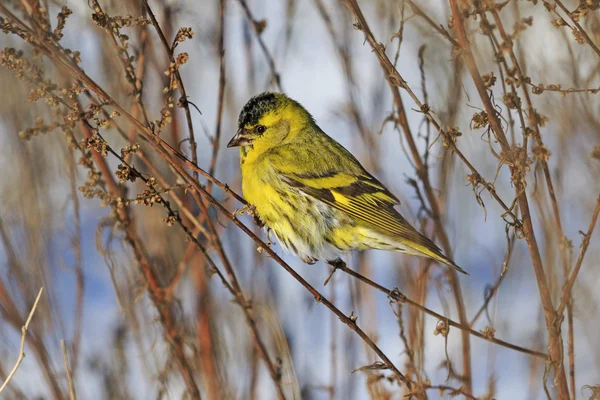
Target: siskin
{"x":312,"y":193}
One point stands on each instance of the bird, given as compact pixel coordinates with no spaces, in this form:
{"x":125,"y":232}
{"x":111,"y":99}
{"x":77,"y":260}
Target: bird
{"x":312,"y":193}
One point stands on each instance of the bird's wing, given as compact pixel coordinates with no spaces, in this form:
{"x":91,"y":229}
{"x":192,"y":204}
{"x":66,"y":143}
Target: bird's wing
{"x":363,"y":197}
{"x":360,"y":196}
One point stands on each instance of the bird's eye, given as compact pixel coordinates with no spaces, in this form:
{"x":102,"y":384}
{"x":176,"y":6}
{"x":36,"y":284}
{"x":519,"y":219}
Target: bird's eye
{"x":261,"y":129}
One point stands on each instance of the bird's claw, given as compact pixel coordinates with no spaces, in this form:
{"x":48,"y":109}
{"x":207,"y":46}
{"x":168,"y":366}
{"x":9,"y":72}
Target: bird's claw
{"x":250,"y":210}
{"x":246,"y":208}
{"x":269,"y":241}
{"x":308,"y":260}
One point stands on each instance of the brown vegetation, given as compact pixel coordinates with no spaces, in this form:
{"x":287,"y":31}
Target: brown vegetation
{"x":103,"y":137}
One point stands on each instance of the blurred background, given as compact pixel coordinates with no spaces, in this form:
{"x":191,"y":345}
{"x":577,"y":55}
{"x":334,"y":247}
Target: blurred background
{"x":138,"y":304}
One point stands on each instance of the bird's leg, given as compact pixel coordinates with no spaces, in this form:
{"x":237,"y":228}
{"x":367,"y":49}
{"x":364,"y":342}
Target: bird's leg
{"x":336,"y":264}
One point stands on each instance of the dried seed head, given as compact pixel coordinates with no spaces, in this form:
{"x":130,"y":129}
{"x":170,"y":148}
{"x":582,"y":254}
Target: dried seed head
{"x":489,"y":80}
{"x":442,"y":328}
{"x":183,"y":34}
{"x":541,"y":153}
{"x":479,"y":120}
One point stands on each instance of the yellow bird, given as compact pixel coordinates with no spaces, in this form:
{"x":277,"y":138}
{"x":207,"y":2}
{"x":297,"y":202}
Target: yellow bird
{"x":312,"y":193}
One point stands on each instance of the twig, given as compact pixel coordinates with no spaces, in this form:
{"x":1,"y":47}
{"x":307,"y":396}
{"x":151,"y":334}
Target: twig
{"x":222,"y":81}
{"x":23,"y":337}
{"x":566,"y":292}
{"x":509,"y":250}
{"x":183,"y":101}
{"x":453,"y":392}
{"x":437,"y":27}
{"x":397,"y":296}
{"x":257,"y":27}
{"x":72,"y":395}
{"x":583,"y":33}
{"x":77,"y":250}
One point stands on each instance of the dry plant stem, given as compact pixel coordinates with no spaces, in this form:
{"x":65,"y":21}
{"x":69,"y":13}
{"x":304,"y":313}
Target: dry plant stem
{"x":140,"y":73}
{"x":566,"y":292}
{"x":72,"y":395}
{"x":182,"y":204}
{"x":584,"y":33}
{"x":437,"y":27}
{"x":531,"y":111}
{"x":78,"y":263}
{"x":155,"y":290}
{"x":171,"y":330}
{"x":453,"y":392}
{"x":255,"y":27}
{"x":397,"y":296}
{"x":217,"y":137}
{"x":422,"y":173}
{"x":509,"y":251}
{"x":554,"y":337}
{"x":238,"y":293}
{"x":332,"y":347}
{"x":549,"y":184}
{"x":204,"y":333}
{"x":11,"y":314}
{"x":184,"y":102}
{"x":23,"y":337}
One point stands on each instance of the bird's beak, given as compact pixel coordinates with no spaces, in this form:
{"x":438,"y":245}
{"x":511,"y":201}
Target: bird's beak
{"x":240,"y":139}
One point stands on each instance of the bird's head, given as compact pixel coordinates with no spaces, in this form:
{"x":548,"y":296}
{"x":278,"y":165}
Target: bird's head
{"x":269,"y":120}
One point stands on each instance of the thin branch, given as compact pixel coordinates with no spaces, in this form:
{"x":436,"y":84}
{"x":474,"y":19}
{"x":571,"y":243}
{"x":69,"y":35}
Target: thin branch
{"x":216,"y":139}
{"x":509,"y":250}
{"x":437,"y":27}
{"x":72,"y":395}
{"x":183,"y":101}
{"x":396,"y":295}
{"x":23,"y":337}
{"x":257,"y":27}
{"x":566,"y":292}
{"x":586,"y":37}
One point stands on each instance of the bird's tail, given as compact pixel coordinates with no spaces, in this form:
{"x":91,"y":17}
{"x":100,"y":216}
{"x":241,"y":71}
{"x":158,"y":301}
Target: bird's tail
{"x":432,"y":251}
{"x":410,"y":242}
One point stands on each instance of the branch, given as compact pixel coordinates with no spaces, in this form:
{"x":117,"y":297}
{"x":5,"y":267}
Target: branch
{"x":257,"y":27}
{"x":586,"y":37}
{"x":396,"y":295}
{"x":183,"y":101}
{"x":23,"y":336}
{"x":566,"y":292}
{"x":72,"y":395}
